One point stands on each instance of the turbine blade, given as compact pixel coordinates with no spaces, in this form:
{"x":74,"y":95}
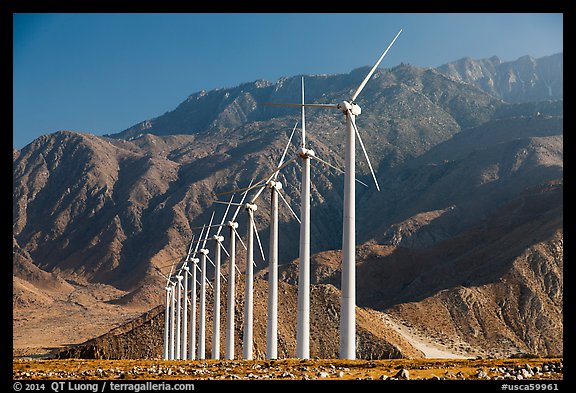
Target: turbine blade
{"x":245,"y":189}
{"x":224,"y":216}
{"x":365,"y":154}
{"x":224,"y":249}
{"x":239,"y":238}
{"x":215,"y":225}
{"x":289,"y":207}
{"x":170,"y":275}
{"x":196,"y":248}
{"x":303,"y":141}
{"x":213,"y":264}
{"x":290,"y":161}
{"x":259,"y":192}
{"x":373,"y":69}
{"x":336,"y":168}
{"x":241,"y":202}
{"x":208,"y":231}
{"x":190,"y":248}
{"x":225,"y":203}
{"x":310,"y":105}
{"x":162,"y":274}
{"x":286,"y":149}
{"x":258,"y":238}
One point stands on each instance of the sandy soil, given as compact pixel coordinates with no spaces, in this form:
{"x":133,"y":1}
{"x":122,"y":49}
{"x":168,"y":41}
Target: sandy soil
{"x":431,"y":349}
{"x":71,"y":318}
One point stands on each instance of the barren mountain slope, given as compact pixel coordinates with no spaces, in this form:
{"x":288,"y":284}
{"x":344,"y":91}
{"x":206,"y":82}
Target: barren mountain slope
{"x":143,"y":337}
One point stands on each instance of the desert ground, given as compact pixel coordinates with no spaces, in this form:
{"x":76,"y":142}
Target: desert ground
{"x":533,"y":369}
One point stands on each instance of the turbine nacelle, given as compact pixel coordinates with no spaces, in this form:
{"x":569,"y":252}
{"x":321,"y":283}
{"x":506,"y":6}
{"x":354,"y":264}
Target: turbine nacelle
{"x":275,"y":185}
{"x":346,"y":106}
{"x":306,"y":153}
{"x":204,"y":251}
{"x":186,"y":268}
{"x":251,"y":206}
{"x":232,"y":224}
{"x":218,"y":238}
{"x":195,"y":260}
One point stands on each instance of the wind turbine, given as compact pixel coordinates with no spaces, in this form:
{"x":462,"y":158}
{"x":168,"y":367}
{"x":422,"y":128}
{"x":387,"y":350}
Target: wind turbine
{"x":216,"y":313}
{"x":348,"y":284}
{"x":169,"y":316}
{"x":230,"y":307}
{"x":192,"y":346}
{"x":202,"y":317}
{"x":167,"y":320}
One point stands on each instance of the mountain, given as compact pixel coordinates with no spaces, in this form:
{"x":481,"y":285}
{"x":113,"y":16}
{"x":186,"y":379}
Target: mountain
{"x":98,"y":216}
{"x":524,"y":80}
{"x":143,"y":337}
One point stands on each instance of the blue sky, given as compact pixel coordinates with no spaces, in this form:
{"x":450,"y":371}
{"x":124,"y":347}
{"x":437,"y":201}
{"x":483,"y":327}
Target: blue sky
{"x":102,"y":73}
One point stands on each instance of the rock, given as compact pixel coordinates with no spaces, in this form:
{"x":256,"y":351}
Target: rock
{"x":384,"y":377}
{"x":340,"y":374}
{"x":482,"y":374}
{"x":403,"y":374}
{"x":323,"y":374}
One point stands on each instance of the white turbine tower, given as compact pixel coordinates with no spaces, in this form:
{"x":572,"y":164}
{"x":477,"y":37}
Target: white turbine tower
{"x":202,"y":317}
{"x":216,"y":312}
{"x":172,"y":320}
{"x":192,"y":343}
{"x":169,"y":316}
{"x":248,"y":340}
{"x":348,"y":285}
{"x":167,"y":323}
{"x":230,"y":307}
{"x":167,"y":313}
{"x":303,"y":325}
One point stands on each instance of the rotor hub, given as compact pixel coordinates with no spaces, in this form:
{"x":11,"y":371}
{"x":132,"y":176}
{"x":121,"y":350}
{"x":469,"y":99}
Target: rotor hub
{"x":346,"y":106}
{"x":275,"y":185}
{"x":232,"y":224}
{"x":306,"y":153}
{"x":218,"y":238}
{"x":251,"y":206}
{"x":204,"y":251}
